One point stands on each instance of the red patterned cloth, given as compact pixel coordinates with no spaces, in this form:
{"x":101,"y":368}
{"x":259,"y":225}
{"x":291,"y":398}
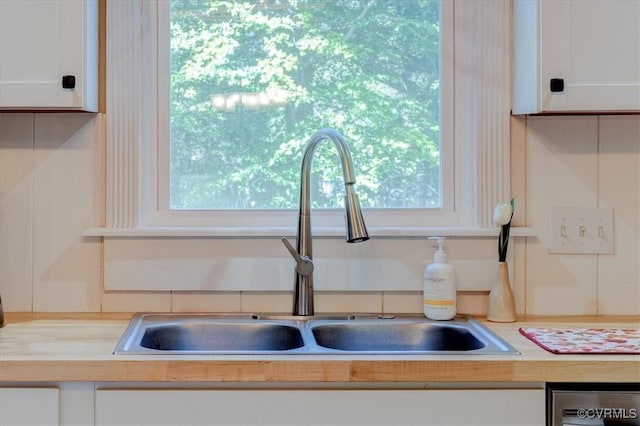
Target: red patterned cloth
{"x":585,"y":340}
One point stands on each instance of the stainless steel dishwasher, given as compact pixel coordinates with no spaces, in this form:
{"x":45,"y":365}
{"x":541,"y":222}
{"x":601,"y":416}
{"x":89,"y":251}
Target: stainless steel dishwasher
{"x":593,"y":404}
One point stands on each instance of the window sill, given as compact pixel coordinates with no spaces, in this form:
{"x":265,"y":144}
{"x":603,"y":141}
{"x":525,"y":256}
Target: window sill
{"x":269,"y":232}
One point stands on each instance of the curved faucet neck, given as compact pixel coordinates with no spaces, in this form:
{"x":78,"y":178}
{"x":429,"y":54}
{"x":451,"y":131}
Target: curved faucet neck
{"x":305,"y":175}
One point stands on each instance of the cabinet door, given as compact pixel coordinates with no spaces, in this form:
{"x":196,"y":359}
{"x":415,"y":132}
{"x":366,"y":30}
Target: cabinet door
{"x":590,"y":48}
{"x":29,"y":407}
{"x":41,"y":42}
{"x":320,"y":407}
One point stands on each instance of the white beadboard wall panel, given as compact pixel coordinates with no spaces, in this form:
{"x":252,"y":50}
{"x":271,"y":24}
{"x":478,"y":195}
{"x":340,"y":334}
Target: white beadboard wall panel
{"x":619,"y":188}
{"x":475,"y":303}
{"x":206,"y":302}
{"x":402,"y":302}
{"x":252,"y":302}
{"x":518,"y":178}
{"x":568,"y":162}
{"x":562,"y":171}
{"x":518,"y":274}
{"x":131,"y":301}
{"x":216,"y":264}
{"x":16,"y":211}
{"x":67,"y":199}
{"x":202,"y":265}
{"x":361,"y":302}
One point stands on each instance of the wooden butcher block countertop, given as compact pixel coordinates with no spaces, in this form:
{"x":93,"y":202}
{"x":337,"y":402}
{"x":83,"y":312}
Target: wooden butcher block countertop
{"x":70,"y":348}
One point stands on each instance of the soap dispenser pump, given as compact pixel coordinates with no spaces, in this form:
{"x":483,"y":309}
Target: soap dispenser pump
{"x":440,"y":286}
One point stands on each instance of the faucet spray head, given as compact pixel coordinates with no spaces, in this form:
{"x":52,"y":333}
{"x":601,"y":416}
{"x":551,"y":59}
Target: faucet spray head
{"x":356,"y":228}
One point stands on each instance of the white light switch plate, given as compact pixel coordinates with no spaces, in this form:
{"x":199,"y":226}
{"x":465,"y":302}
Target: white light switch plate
{"x":581,"y":231}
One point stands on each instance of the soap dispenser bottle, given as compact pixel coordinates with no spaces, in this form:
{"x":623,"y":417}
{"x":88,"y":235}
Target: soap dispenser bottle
{"x":440,"y":286}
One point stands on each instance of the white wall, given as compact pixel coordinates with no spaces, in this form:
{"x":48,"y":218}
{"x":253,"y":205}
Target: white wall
{"x":51,"y":168}
{"x":52,"y":188}
{"x":584,"y":162}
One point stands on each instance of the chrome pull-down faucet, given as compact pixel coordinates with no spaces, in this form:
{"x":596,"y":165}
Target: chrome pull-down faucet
{"x":356,"y":231}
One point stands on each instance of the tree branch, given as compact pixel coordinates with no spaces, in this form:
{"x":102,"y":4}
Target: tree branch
{"x":362,"y":15}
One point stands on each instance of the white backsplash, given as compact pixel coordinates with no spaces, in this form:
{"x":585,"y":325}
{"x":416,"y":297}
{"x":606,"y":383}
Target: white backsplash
{"x":52,"y":188}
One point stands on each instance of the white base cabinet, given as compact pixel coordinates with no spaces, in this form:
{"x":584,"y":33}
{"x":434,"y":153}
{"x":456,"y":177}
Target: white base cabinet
{"x":442,"y":407}
{"x":29,"y":406}
{"x":152,"y":404}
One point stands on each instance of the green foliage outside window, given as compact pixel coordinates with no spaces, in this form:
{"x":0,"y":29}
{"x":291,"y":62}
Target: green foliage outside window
{"x":251,"y":81}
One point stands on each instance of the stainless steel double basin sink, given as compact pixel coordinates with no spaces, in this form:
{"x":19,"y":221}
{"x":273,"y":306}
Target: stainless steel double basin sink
{"x":207,"y":334}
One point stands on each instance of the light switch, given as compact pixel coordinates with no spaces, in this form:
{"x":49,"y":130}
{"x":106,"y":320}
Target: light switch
{"x":581,"y":231}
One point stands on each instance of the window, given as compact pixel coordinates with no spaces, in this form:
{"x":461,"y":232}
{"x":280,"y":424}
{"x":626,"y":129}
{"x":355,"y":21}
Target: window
{"x":144,"y":248}
{"x":473,"y":127}
{"x":252,"y":80}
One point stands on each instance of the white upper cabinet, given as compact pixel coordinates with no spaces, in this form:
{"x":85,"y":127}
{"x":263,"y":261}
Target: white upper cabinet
{"x":49,"y":55}
{"x":576,"y":56}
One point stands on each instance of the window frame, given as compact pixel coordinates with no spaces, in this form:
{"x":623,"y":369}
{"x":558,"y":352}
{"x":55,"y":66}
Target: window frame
{"x":478,"y":172}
